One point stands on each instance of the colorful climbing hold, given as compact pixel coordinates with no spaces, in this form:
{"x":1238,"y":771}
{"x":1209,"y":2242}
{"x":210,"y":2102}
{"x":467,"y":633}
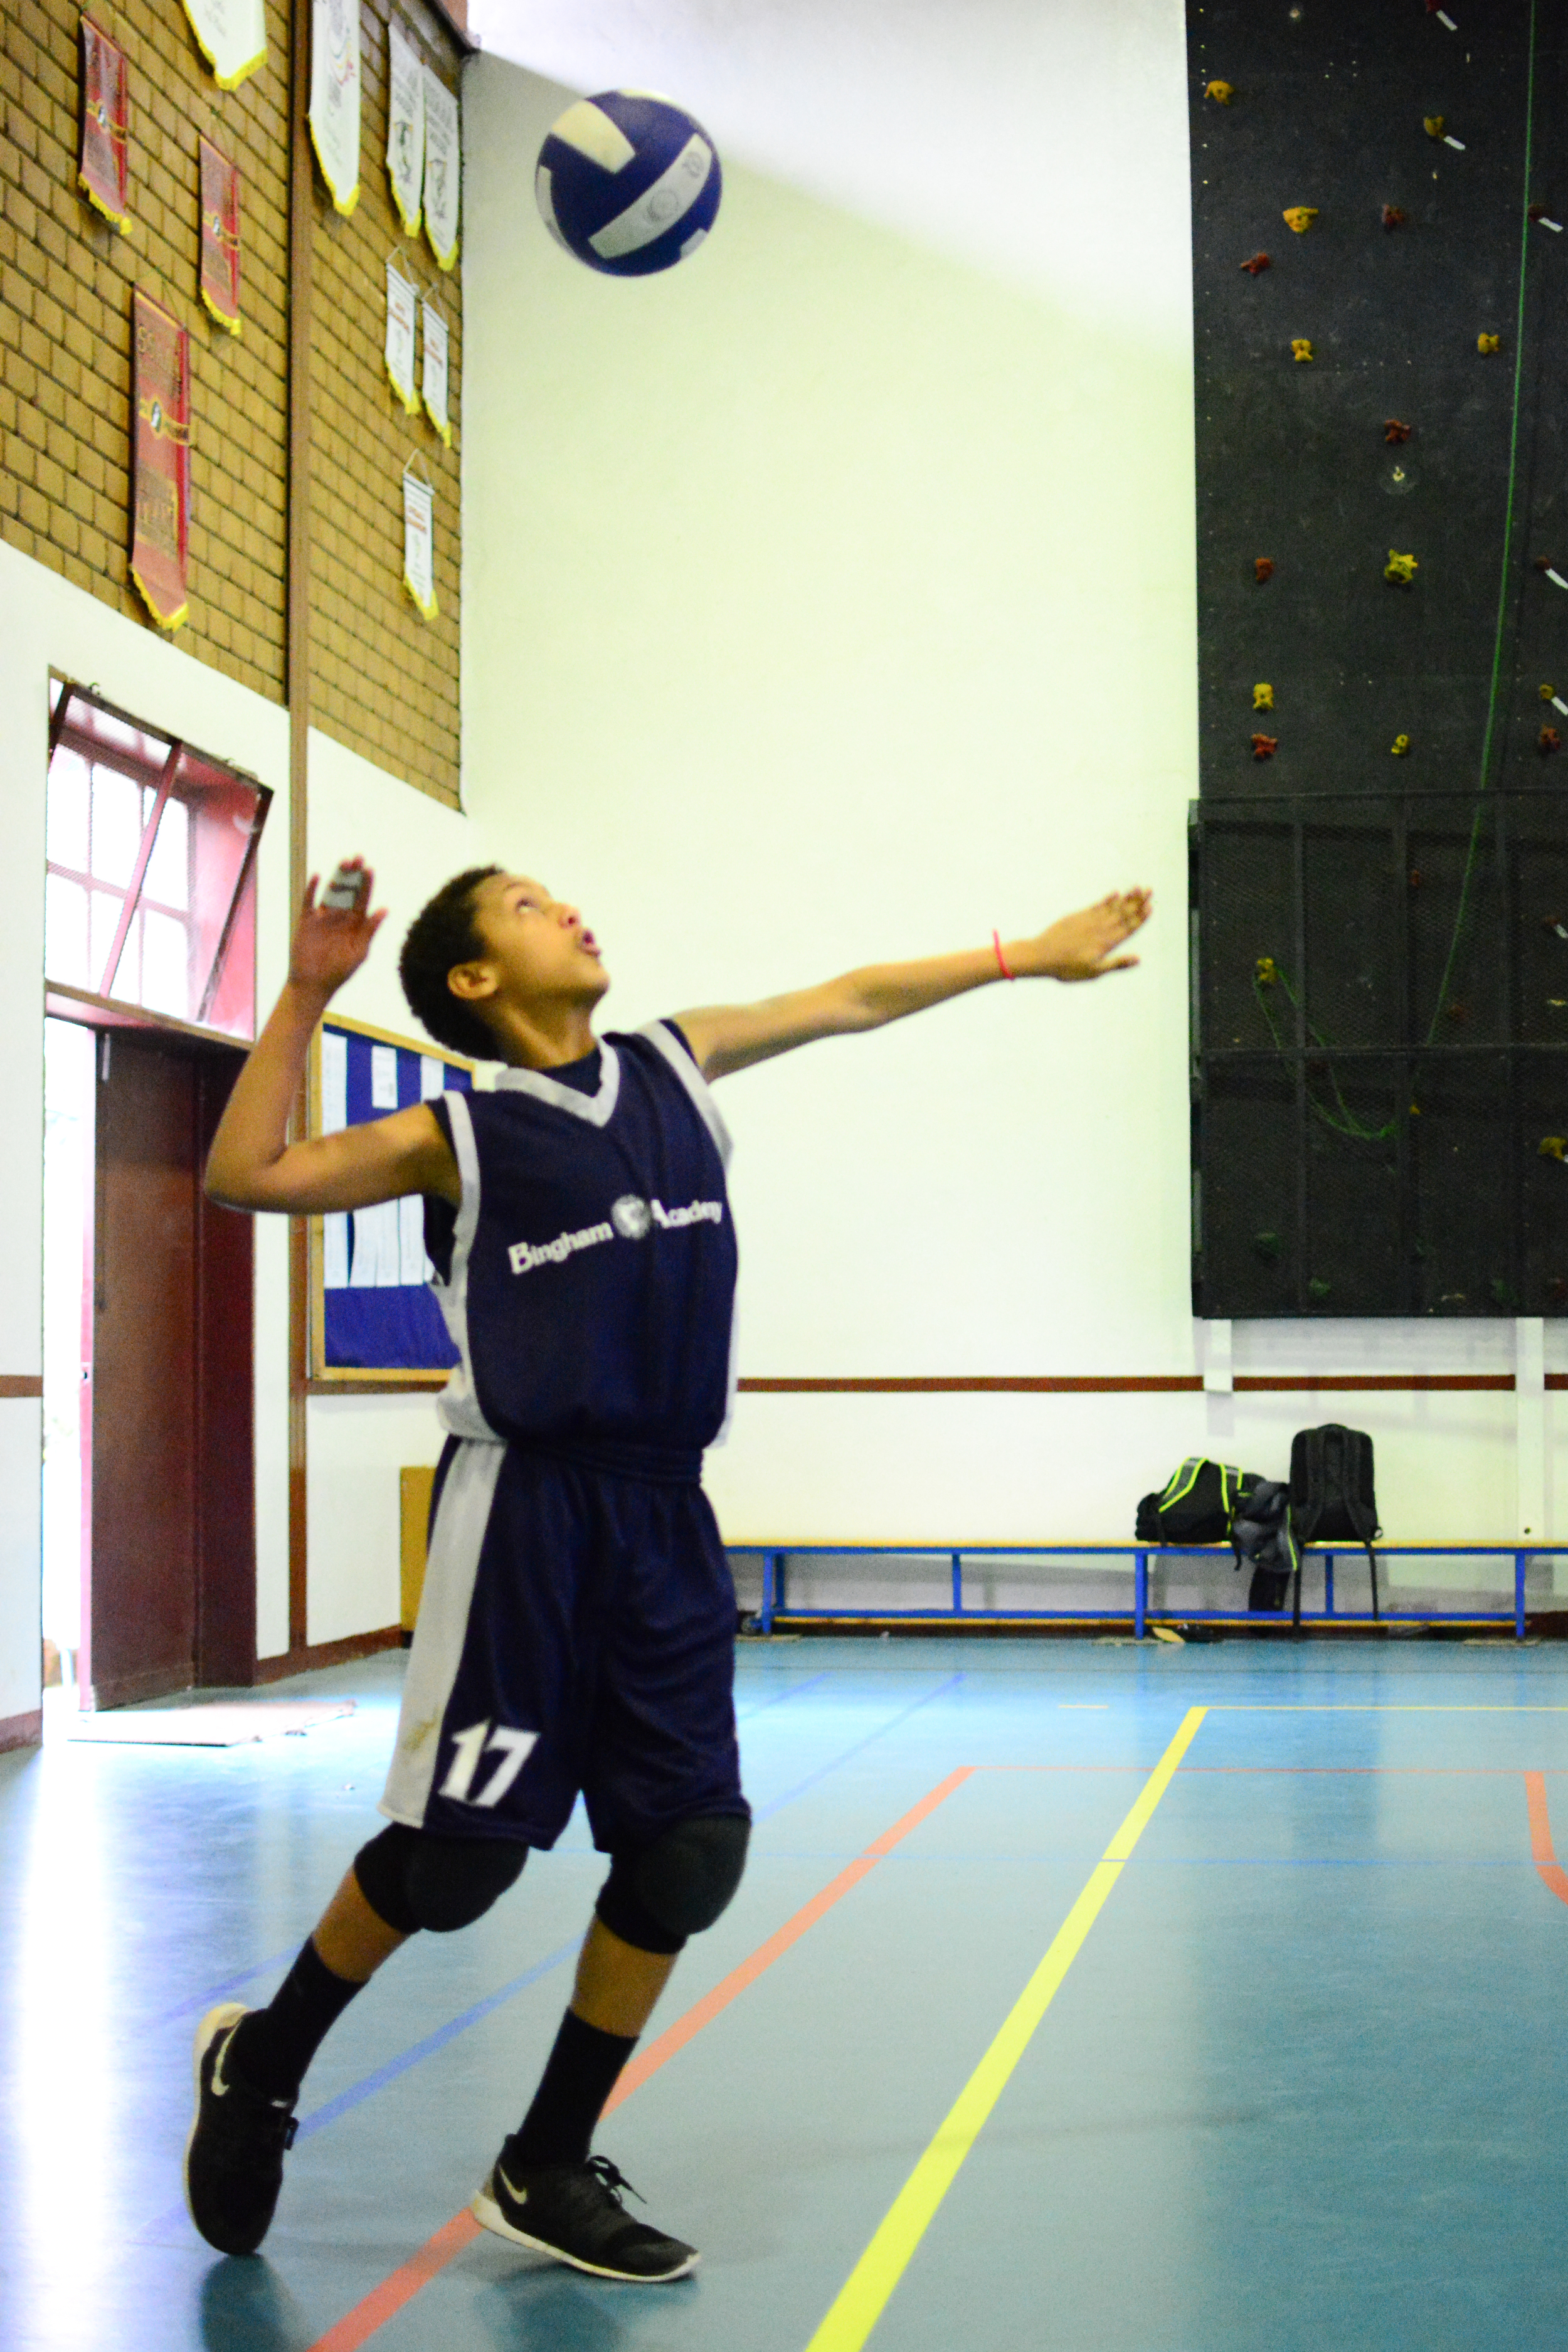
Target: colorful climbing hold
{"x":1301,"y":217}
{"x":1485,"y":343}
{"x":1434,"y":125}
{"x":1400,"y":746}
{"x":1263,"y":697}
{"x":1258,"y":262}
{"x":1401,"y":569}
{"x":1222,"y":93}
{"x":1265,"y":746}
{"x":1548,"y":741}
{"x":1300,"y":349}
{"x":1266,"y":972}
{"x":1394,"y":216}
{"x":1553,"y":1147}
{"x":1392,"y":430}
{"x":1262,"y":569}
{"x":1547,"y":693}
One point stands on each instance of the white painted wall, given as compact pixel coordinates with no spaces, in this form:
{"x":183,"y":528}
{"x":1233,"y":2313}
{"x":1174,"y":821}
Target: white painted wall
{"x":832,"y":598}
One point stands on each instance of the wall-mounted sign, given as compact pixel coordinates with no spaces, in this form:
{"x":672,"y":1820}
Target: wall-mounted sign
{"x":402,"y":309}
{"x":232,"y":36}
{"x":220,"y":235}
{"x":103,"y":156}
{"x":334,"y":97}
{"x":405,"y":128}
{"x":419,"y":542}
{"x":433,"y":378}
{"x":443,"y":169}
{"x":160,"y":460}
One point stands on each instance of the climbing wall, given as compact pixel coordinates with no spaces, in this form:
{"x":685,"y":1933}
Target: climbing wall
{"x":1380,"y":856}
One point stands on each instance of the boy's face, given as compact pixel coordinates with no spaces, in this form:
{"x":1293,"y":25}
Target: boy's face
{"x":537,"y":951}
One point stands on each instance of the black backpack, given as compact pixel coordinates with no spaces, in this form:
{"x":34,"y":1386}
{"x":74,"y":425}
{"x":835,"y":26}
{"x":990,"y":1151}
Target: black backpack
{"x":1196,"y":1505}
{"x":1260,"y":1533}
{"x":1332,"y":1498}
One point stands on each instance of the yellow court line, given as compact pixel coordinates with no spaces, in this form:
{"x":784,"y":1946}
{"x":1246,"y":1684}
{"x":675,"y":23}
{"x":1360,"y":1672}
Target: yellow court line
{"x":864,"y":2295}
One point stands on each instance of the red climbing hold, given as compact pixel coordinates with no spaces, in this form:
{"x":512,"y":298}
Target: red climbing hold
{"x":1394,"y":216}
{"x":1262,"y":568}
{"x":1259,"y":261}
{"x":1265,"y":746}
{"x":1547,"y":742}
{"x":1392,"y":430}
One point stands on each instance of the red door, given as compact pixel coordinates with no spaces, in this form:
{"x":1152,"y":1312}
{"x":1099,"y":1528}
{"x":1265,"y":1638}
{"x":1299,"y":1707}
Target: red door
{"x":170,"y":1555}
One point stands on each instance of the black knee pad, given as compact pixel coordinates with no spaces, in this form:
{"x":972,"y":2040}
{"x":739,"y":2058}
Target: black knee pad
{"x":677,"y":1886}
{"x":412,"y":1879}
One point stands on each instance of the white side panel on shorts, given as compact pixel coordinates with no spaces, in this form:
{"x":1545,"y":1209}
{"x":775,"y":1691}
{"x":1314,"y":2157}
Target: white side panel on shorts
{"x":456,"y":1541}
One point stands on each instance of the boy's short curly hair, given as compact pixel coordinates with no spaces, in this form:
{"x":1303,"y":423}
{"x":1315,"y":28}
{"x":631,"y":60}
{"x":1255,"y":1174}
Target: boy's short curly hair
{"x":443,"y":934}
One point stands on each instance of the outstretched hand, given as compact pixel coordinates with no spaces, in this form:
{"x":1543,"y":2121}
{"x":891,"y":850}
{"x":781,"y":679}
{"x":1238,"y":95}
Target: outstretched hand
{"x":1083,"y":946}
{"x":332,"y":942}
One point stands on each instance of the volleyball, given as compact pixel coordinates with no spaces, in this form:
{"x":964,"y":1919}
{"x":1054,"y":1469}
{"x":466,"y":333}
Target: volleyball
{"x":628,"y":182}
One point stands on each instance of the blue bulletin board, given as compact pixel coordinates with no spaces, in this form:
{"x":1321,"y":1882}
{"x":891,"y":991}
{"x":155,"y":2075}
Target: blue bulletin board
{"x":374,"y":1313}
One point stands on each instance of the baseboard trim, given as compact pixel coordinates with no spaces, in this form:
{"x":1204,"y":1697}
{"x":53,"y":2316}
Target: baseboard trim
{"x":329,"y":1654}
{"x":22,"y":1730}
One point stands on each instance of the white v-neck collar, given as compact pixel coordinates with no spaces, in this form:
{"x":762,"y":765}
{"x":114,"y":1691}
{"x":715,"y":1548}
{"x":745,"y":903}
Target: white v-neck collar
{"x":597,"y":1108}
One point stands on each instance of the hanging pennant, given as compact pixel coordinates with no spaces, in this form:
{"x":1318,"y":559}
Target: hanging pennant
{"x":443,"y":169}
{"x":160,"y":460}
{"x":232,"y":36}
{"x":401,"y":303}
{"x":419,"y":541}
{"x":405,"y":128}
{"x":434,"y":374}
{"x":103,"y":156}
{"x":220,"y":235}
{"x":334,"y":97}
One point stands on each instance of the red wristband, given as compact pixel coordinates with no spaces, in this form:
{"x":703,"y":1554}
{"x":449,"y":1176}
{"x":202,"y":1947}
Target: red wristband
{"x":1002,"y":963}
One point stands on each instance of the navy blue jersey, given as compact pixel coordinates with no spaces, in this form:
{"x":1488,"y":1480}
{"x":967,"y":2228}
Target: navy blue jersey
{"x":590,"y":1285}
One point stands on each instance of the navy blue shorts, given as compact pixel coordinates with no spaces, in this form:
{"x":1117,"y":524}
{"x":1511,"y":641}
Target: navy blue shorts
{"x":576,"y":1634}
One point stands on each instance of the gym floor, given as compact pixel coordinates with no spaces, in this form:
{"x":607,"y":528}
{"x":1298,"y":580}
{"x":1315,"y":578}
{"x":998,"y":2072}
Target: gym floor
{"x":1295,"y":2072}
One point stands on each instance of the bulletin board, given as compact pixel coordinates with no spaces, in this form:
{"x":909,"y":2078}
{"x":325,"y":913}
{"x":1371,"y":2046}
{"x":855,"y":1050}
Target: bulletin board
{"x":373,"y":1318}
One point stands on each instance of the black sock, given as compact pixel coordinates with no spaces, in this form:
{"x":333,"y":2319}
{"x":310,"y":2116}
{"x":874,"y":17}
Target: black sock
{"x":272,"y":2047}
{"x":584,"y":2069}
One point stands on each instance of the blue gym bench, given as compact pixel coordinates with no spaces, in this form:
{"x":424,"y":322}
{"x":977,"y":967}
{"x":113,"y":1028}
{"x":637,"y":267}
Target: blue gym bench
{"x":777,"y":1611}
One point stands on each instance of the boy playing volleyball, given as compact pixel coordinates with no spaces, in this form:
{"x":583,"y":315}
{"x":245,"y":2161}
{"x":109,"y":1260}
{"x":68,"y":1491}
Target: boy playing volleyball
{"x":577,"y":1633}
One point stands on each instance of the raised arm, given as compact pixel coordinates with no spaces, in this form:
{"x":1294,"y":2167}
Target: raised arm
{"x":252,"y":1164}
{"x":728,"y":1037}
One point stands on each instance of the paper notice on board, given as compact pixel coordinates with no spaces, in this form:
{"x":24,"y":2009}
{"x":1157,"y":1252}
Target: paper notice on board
{"x":335,"y":1251}
{"x":411,"y":1239}
{"x":419,"y":543}
{"x":432,"y":1077}
{"x":384,"y":1077}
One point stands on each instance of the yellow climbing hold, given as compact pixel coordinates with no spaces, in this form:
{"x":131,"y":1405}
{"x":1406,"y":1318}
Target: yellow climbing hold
{"x":1402,"y":568}
{"x":1549,"y":694}
{"x":1301,"y":217}
{"x":1434,"y":125}
{"x":1222,"y":93}
{"x":1488,"y":343}
{"x":1300,"y":349}
{"x":1553,"y":1147}
{"x":1263,"y":697}
{"x":1267,"y":972}
{"x":1400,"y":746}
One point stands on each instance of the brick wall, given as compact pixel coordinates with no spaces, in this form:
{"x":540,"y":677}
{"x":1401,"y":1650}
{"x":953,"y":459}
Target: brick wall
{"x":66,"y":279}
{"x":384,"y":679}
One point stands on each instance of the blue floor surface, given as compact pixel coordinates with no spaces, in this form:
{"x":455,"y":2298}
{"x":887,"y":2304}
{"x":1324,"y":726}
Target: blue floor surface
{"x":1304,"y":2084}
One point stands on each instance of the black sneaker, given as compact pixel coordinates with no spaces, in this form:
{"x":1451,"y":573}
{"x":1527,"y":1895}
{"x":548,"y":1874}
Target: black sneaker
{"x":574,"y":2212}
{"x":234,"y":2157}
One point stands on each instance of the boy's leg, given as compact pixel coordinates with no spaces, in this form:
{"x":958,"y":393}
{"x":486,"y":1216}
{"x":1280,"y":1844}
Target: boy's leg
{"x":249,"y":2064}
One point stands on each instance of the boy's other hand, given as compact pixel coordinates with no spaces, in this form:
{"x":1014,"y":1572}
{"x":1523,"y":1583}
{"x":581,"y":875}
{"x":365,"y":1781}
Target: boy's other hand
{"x":332,"y":942}
{"x":1083,"y":946}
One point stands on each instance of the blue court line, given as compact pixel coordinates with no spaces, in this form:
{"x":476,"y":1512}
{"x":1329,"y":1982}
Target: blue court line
{"x":779,"y":1697}
{"x":364,"y":2089}
{"x":765,"y":1812}
{"x":197,"y":2004}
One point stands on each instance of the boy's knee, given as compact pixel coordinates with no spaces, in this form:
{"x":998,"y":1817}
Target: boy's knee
{"x":412,"y":1879}
{"x":683,"y":1882}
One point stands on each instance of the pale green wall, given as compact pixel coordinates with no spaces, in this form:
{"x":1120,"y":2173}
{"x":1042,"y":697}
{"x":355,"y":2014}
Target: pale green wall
{"x":828,"y":600}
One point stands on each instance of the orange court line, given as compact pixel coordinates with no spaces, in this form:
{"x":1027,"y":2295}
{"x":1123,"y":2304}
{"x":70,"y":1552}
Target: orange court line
{"x":358,"y":2325}
{"x":1540,"y":1848}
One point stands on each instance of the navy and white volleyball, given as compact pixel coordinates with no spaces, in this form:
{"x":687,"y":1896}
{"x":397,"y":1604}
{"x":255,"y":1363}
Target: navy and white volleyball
{"x":628,"y":182}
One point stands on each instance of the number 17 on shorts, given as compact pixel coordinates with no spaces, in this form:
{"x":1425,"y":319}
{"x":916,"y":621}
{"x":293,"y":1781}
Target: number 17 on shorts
{"x":481,"y":1740}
